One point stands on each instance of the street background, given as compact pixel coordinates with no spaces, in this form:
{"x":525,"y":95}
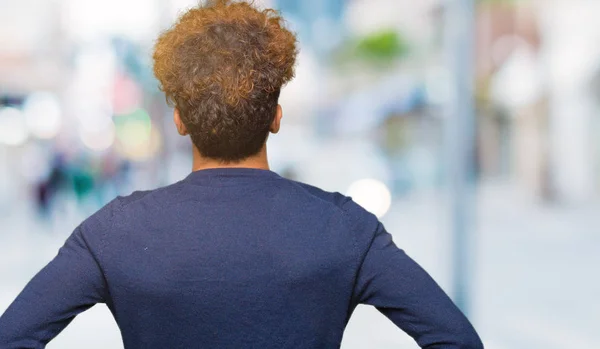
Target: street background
{"x":469,"y":127}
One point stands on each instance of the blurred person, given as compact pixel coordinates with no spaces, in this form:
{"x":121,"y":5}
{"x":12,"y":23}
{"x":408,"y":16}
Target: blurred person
{"x":47,"y":188}
{"x":234,"y":255}
{"x":83,"y":181}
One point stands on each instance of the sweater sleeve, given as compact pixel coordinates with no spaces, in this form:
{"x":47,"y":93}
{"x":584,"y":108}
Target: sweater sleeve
{"x":70,"y":284}
{"x":400,"y":289}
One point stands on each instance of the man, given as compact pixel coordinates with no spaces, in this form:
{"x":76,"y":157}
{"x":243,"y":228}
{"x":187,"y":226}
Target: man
{"x":233,"y":256}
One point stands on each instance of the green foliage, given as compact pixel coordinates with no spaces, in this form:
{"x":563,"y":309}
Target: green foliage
{"x":377,"y":49}
{"x":384,"y":45}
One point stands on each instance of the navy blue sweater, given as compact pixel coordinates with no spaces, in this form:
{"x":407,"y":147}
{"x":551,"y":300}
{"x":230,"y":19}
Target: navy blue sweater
{"x":233,"y":258}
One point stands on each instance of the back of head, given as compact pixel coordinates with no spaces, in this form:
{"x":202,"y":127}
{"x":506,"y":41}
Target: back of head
{"x":222,"y":65}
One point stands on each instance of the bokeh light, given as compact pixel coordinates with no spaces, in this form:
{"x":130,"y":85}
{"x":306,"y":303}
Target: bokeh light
{"x":98,"y":138}
{"x":13,"y":130}
{"x":373,"y":195}
{"x":138,"y":140}
{"x":43,"y":115}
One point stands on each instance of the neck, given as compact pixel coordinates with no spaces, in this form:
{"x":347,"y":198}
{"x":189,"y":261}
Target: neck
{"x":258,"y":161}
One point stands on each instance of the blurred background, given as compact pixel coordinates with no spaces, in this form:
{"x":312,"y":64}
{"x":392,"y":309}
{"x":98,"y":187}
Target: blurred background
{"x":468,"y":127}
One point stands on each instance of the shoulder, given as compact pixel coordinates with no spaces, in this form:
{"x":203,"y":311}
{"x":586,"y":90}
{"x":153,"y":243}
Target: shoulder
{"x":356,"y":217}
{"x":334,"y":199}
{"x":144,"y":196}
{"x":99,"y":224}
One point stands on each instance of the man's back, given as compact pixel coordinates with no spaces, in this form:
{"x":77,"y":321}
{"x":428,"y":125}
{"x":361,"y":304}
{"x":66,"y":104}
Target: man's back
{"x":238,"y":258}
{"x":233,"y":258}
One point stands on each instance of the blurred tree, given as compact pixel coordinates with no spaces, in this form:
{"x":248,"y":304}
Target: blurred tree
{"x":380,"y":49}
{"x":386,"y":45}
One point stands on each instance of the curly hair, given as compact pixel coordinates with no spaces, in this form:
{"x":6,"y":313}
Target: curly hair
{"x":222,"y":65}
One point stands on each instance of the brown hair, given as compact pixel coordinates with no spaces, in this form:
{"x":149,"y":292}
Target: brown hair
{"x":222,"y":65}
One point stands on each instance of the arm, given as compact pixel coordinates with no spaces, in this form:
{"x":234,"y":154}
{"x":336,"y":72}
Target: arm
{"x":70,"y":284}
{"x":399,"y":288}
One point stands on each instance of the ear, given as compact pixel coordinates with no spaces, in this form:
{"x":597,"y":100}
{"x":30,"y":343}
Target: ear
{"x":181,"y":129}
{"x":276,"y":124}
